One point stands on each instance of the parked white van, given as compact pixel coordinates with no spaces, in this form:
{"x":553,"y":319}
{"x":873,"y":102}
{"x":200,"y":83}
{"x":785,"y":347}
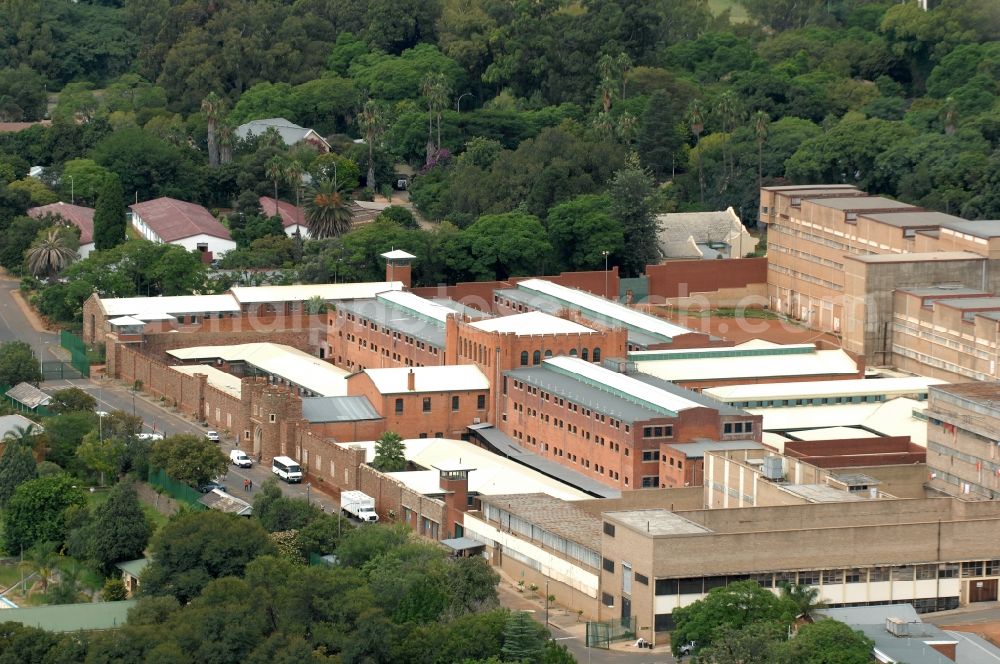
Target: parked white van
{"x":240,"y":458}
{"x":287,"y":469}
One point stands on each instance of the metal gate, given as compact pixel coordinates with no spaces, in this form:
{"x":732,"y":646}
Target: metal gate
{"x":56,"y":369}
{"x":602,"y":634}
{"x":78,"y":354}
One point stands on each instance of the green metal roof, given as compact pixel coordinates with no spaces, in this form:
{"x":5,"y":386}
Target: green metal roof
{"x":650,"y":356}
{"x":71,"y":617}
{"x":133,"y":567}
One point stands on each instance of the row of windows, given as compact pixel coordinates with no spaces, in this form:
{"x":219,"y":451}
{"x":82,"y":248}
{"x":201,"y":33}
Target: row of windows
{"x":536,"y":357}
{"x":586,"y":412}
{"x":966,"y":570}
{"x":559,"y":452}
{"x":666,"y":431}
{"x":397,"y":336}
{"x":427,"y":403}
{"x":737,"y":427}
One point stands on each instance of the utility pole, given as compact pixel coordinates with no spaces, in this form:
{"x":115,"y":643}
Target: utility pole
{"x":605,"y":254}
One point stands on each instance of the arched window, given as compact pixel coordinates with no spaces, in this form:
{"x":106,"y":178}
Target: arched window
{"x":537,"y":357}
{"x":572,"y":352}
{"x":597,"y":354}
{"x":548,"y":353}
{"x":524,"y":358}
{"x":584,"y":355}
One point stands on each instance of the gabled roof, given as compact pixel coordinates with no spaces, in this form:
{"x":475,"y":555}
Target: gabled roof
{"x":79,"y":216}
{"x":173,"y":220}
{"x":680,"y":233}
{"x":531,"y":323}
{"x":86,"y":616}
{"x":28,"y":395}
{"x":290,"y":214}
{"x":290,"y":132}
{"x":217,"y":499}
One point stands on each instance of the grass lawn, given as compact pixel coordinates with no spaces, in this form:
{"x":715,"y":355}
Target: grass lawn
{"x":738,"y":12}
{"x":9,"y":575}
{"x":152,"y":514}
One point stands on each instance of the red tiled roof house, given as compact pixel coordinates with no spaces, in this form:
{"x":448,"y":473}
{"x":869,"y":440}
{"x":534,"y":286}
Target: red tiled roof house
{"x":292,"y":218}
{"x":79,"y":216}
{"x":185,"y":224}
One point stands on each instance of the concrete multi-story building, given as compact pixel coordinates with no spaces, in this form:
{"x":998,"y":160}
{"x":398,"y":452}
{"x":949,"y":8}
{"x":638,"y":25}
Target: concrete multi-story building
{"x":963,"y":450}
{"x":611,"y":425}
{"x":836,"y":255}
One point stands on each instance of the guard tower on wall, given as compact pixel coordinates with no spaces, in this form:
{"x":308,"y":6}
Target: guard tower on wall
{"x":399,"y":266}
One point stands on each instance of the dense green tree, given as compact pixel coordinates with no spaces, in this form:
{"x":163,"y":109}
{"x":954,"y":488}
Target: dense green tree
{"x":278,"y":513}
{"x":36,"y":511}
{"x":21,"y":644}
{"x":734,"y":606}
{"x":364,"y":544}
{"x":17,"y":465}
{"x":65,"y":432}
{"x":399,"y":215}
{"x":523,"y":638}
{"x":70,"y":400}
{"x":188,"y":458}
{"x":504,"y":245}
{"x":16,"y":238}
{"x":632,"y":206}
{"x":101,"y":454}
{"x":18,"y":364}
{"x":756,"y":643}
{"x":149,"y":167}
{"x":390,"y":454}
{"x":582,"y":229}
{"x":121,"y":528}
{"x":829,"y":642}
{"x":22,"y":95}
{"x":38,"y":192}
{"x":196,"y":547}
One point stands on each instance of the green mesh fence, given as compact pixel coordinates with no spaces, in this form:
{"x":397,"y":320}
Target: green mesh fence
{"x":77,"y":350}
{"x":175,"y":489}
{"x":601,"y":634}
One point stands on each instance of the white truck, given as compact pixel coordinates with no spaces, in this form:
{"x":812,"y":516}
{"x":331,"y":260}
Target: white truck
{"x":359,"y":505}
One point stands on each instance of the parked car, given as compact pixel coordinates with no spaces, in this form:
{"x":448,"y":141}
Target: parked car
{"x":240,"y":458}
{"x":101,"y":413}
{"x":149,"y":436}
{"x":212,"y":436}
{"x":687,"y":648}
{"x":208,"y":487}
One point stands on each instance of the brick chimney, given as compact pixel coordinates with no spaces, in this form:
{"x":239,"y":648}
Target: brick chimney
{"x":411,"y":381}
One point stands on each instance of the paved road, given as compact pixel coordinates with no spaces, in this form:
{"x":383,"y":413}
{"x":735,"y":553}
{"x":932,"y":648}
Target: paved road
{"x":14,"y":326}
{"x":968,"y":615}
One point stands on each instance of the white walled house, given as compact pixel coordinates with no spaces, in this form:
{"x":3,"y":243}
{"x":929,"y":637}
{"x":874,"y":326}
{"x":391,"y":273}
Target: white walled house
{"x":79,"y":216}
{"x":293,"y":219}
{"x":168,"y":220}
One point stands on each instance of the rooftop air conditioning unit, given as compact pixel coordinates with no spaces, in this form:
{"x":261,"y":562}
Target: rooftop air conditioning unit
{"x":897,"y":626}
{"x":773,"y":468}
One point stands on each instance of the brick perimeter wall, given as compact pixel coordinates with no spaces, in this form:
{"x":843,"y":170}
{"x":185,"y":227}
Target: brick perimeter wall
{"x":682,"y":278}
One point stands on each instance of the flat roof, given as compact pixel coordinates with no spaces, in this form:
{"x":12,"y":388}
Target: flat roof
{"x":986,"y":393}
{"x":753,"y":359}
{"x":894,"y":417}
{"x":554,"y":515}
{"x":295,"y":366}
{"x":820,"y":493}
{"x":72,"y":617}
{"x":812,"y":187}
{"x":916,"y":257}
{"x":970,"y":302}
{"x":221,"y":380}
{"x":445,"y":378}
{"x":656,"y":522}
{"x":338,"y":409}
{"x":983,"y":229}
{"x":417,"y":305}
{"x":811,"y":389}
{"x":177,"y":304}
{"x":911,"y":219}
{"x":697,"y":450}
{"x":491,"y":473}
{"x":126,"y":321}
{"x":304,"y":292}
{"x":833,"y":433}
{"x":942,"y":291}
{"x":860,"y":203}
{"x":531,"y":323}
{"x":604,"y":309}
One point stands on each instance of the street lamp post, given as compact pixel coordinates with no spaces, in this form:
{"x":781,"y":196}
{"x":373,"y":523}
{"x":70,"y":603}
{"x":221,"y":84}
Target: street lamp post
{"x":72,"y":190}
{"x":605,"y":254}
{"x":308,"y":493}
{"x":458,"y":102}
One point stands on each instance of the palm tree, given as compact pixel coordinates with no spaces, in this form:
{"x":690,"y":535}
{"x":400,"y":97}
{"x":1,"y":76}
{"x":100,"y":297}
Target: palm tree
{"x":623,"y":63}
{"x":42,"y":561}
{"x":727,"y":111}
{"x":372,"y":120}
{"x":274,"y":170}
{"x":435,"y":89}
{"x":761,"y":122}
{"x":50,"y":254}
{"x":696,"y":120}
{"x":804,"y":597}
{"x":211,"y":107}
{"x":22,"y":435}
{"x":327,"y":211}
{"x":227,"y":136}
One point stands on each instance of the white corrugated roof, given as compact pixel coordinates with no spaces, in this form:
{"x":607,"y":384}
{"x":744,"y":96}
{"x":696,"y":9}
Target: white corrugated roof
{"x":304,"y":292}
{"x":494,"y":475}
{"x":604,"y":307}
{"x":178,"y":304}
{"x":822,"y":388}
{"x":889,"y":418}
{"x":833,"y":433}
{"x":708,"y":367}
{"x":620,"y":383}
{"x":531,"y":322}
{"x":126,"y":320}
{"x":228,"y":383}
{"x":417,"y":304}
{"x":447,"y":378}
{"x":286,"y":362}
